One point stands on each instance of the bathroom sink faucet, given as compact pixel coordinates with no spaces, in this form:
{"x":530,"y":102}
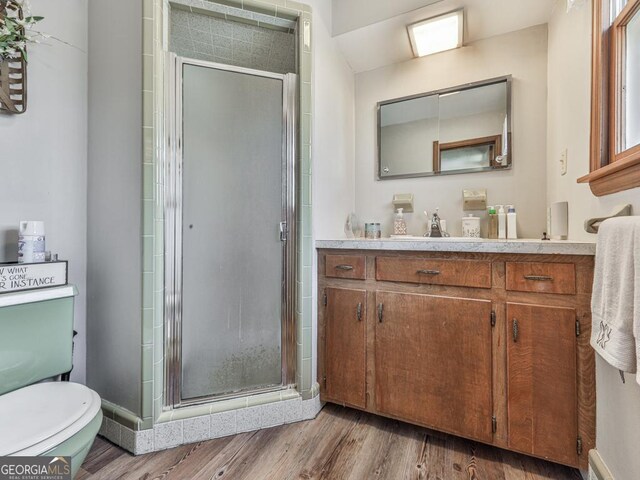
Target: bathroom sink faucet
{"x":435,"y":228}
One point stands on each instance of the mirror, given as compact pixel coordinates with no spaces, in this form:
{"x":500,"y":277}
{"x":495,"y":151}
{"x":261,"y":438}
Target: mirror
{"x":455,"y":130}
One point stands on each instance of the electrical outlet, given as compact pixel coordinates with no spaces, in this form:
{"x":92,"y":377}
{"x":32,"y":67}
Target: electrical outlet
{"x":563,"y":162}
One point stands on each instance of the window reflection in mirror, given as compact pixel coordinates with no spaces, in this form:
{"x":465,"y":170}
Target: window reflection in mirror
{"x":455,"y":130}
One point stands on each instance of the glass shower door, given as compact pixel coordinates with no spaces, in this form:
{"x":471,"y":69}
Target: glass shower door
{"x":234,"y":197}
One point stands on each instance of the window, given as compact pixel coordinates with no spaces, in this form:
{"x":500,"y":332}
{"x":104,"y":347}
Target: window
{"x":615,"y":97}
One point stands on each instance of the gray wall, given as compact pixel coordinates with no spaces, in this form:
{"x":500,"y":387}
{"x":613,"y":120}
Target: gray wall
{"x":115,"y":201}
{"x":43,"y":153}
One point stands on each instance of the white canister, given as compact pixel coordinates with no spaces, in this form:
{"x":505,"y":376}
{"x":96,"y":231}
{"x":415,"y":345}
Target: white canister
{"x":471,"y":227}
{"x":31,"y":242}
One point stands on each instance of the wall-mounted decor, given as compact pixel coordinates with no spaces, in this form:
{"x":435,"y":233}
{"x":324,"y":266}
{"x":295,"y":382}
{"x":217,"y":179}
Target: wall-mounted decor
{"x":14,"y":36}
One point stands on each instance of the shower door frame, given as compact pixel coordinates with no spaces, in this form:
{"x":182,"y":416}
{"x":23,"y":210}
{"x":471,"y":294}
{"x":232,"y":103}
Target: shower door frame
{"x":172,"y":174}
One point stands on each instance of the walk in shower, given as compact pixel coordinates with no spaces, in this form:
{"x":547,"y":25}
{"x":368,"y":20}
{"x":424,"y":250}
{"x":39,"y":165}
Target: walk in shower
{"x":229,"y":232}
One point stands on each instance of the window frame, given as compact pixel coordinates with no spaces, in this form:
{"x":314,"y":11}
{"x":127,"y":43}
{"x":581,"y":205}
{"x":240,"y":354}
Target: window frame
{"x":610,"y":171}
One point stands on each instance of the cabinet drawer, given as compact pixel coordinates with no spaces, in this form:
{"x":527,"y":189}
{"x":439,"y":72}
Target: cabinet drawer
{"x":541,"y":277}
{"x":345,"y":266}
{"x":463,"y":273}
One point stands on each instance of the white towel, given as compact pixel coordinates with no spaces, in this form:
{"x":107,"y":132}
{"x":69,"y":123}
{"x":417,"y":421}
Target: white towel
{"x":615,"y":304}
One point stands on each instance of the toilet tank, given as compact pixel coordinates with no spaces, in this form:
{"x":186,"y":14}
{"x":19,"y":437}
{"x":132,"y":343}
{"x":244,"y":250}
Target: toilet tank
{"x":36,"y":335}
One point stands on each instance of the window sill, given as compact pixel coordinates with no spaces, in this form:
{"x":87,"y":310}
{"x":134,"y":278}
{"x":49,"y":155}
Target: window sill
{"x":615,"y":177}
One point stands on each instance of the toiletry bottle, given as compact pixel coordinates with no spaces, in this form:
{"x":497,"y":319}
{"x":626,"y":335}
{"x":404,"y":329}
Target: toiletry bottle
{"x":31,"y":242}
{"x":493,"y":223}
{"x":502,"y":222}
{"x":399,"y":225}
{"x":512,"y":231}
{"x":471,"y":226}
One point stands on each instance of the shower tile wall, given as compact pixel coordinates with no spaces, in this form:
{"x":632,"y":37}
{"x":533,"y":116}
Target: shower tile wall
{"x":205,"y":37}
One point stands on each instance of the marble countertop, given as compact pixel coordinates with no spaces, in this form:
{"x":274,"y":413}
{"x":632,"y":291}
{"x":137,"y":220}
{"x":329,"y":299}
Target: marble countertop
{"x":458,"y":244}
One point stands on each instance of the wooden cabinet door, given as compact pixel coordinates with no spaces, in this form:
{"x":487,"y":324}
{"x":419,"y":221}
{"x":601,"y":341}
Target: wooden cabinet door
{"x":541,"y":388}
{"x":433,"y":362}
{"x":345,"y":344}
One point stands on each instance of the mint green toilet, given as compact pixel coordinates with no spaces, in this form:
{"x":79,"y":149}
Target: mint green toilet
{"x":48,"y":418}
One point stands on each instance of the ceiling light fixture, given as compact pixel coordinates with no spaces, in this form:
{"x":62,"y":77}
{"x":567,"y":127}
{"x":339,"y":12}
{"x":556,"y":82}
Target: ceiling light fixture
{"x":437,"y":34}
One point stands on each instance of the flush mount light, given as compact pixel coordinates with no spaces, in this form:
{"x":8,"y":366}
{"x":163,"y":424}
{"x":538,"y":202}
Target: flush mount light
{"x":437,"y":34}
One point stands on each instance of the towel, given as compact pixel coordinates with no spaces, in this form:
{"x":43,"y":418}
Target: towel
{"x":615,"y":304}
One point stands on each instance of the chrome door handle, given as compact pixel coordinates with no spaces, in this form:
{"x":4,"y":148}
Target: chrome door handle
{"x":428,"y":272}
{"x":344,"y":267}
{"x":539,"y":278}
{"x":359,"y":311}
{"x":514,"y":328}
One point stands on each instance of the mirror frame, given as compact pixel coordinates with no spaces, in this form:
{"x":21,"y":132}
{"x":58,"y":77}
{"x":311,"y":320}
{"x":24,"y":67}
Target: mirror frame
{"x":507,"y":79}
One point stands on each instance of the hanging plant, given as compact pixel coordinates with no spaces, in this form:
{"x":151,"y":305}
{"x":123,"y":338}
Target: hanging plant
{"x":16,"y":32}
{"x":16,"y":29}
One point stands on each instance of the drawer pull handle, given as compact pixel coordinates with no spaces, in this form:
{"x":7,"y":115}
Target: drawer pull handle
{"x":359,"y":312}
{"x":515,"y":330}
{"x":428,"y":272}
{"x":539,"y":278}
{"x":344,"y":267}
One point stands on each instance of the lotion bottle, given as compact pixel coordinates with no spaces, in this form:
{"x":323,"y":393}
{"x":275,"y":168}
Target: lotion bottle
{"x":502,"y":222}
{"x":512,"y":232}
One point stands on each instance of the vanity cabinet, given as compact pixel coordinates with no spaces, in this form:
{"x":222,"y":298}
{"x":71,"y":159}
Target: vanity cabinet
{"x":542,"y":381}
{"x":345,"y":346}
{"x":492,"y":347}
{"x":413,"y":334}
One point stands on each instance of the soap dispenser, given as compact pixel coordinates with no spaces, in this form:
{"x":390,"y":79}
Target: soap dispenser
{"x":399,"y":224}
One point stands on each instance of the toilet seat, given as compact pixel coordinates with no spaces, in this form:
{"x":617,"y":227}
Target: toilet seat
{"x":36,"y":418}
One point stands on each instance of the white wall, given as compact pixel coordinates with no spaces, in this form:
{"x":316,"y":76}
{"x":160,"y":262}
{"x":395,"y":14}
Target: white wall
{"x":618,"y":405}
{"x":333,"y":134}
{"x":43,"y":153}
{"x":522,"y":54}
{"x":332,"y":141}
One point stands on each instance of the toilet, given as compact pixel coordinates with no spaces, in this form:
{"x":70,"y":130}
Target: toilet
{"x":40,"y":417}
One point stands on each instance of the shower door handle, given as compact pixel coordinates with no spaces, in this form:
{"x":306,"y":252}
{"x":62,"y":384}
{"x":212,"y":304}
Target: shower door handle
{"x":283,"y":231}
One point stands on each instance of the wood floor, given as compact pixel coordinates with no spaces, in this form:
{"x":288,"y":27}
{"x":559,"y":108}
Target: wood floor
{"x":340,"y":444}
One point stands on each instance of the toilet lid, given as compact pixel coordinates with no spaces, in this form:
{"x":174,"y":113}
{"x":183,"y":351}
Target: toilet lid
{"x":36,"y":418}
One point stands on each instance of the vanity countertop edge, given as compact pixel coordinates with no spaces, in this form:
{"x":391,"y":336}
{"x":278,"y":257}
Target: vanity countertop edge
{"x":524,"y":246}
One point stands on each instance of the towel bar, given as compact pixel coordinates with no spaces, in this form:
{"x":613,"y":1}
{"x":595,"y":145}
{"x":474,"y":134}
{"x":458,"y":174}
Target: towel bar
{"x":593,"y":224}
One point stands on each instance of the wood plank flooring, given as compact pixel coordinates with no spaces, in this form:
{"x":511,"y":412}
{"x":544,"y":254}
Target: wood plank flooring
{"x":340,"y":444}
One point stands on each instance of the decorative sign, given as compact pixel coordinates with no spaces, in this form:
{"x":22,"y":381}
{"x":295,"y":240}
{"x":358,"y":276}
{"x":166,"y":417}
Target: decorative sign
{"x":27,"y":276}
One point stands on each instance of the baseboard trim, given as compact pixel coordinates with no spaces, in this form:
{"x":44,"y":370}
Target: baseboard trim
{"x":597,"y":468}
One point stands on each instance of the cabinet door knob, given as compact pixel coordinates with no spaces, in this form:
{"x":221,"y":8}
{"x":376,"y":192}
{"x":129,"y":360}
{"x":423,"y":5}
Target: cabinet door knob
{"x":380,"y":310}
{"x":515,"y":330}
{"x":428,"y":272}
{"x":359,"y":311}
{"x":344,"y":267}
{"x":539,"y":278}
